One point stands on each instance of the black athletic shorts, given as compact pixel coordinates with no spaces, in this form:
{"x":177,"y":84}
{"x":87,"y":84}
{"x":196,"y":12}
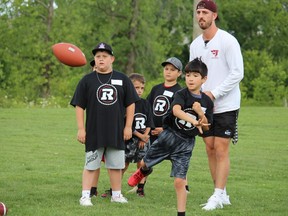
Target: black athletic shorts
{"x":174,"y":147}
{"x":223,"y":125}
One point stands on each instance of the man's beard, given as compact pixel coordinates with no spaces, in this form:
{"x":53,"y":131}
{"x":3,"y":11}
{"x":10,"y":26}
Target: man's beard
{"x":204,"y":25}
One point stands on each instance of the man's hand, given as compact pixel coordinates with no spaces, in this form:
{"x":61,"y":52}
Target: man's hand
{"x":209,"y":94}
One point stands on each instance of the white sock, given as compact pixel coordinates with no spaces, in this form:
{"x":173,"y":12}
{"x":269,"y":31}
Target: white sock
{"x":224,"y":191}
{"x":86,"y":193}
{"x":116,"y":193}
{"x":218,"y":191}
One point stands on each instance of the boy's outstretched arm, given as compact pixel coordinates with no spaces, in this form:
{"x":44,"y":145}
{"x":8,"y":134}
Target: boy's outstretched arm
{"x":179,"y":113}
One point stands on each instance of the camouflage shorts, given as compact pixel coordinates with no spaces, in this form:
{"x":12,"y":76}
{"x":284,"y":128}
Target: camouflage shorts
{"x":132,"y":152}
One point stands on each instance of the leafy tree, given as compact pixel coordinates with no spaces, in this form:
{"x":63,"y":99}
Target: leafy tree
{"x":142,"y":33}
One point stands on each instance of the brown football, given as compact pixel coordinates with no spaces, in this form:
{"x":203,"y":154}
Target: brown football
{"x":69,"y":54}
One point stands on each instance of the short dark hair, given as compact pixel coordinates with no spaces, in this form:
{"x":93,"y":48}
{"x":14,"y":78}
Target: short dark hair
{"x":196,"y":65}
{"x":137,"y":77}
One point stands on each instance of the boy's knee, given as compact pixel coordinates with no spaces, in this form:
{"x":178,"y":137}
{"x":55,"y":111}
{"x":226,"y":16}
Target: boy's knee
{"x":179,"y":183}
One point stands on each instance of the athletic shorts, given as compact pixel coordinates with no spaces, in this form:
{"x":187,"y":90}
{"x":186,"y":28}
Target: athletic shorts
{"x":172,"y":146}
{"x":223,"y":125}
{"x":114,"y":159}
{"x":132,"y":152}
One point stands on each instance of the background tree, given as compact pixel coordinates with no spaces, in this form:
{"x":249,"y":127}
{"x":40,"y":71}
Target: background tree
{"x":142,"y":33}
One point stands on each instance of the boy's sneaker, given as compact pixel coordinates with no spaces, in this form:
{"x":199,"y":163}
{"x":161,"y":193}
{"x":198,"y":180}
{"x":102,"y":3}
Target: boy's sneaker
{"x":226,"y":200}
{"x":119,"y":199}
{"x":85,"y":201}
{"x":136,"y":177}
{"x":214,"y":202}
{"x":107,"y":193}
{"x":140,"y":192}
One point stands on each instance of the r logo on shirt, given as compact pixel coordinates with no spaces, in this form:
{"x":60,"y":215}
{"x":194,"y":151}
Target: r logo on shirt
{"x":215,"y":53}
{"x":140,"y":122}
{"x":184,"y":125}
{"x":106,"y":94}
{"x":161,"y":105}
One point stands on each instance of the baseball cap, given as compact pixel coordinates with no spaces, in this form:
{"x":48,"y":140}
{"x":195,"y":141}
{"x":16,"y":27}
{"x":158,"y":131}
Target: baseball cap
{"x":207,"y":4}
{"x":174,"y":61}
{"x":103,"y":47}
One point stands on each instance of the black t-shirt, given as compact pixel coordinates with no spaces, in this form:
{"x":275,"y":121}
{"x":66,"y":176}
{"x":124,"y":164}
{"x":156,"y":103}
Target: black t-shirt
{"x":105,"y":98}
{"x":143,"y":116}
{"x":160,"y":99}
{"x":186,"y":99}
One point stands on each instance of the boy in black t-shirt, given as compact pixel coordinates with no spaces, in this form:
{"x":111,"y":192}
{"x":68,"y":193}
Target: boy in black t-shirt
{"x":138,"y":145}
{"x":107,"y":96}
{"x":190,"y":115}
{"x":161,"y":95}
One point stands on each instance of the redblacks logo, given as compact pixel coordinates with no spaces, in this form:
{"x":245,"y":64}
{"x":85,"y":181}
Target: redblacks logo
{"x":215,"y":53}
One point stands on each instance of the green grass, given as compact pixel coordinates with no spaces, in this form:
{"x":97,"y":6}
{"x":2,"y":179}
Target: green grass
{"x":41,"y":165}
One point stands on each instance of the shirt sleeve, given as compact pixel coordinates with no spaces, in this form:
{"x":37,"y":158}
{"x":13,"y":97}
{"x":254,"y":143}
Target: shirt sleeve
{"x":234,"y":61}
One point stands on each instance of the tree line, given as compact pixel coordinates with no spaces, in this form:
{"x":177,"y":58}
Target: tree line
{"x":143,"y":34}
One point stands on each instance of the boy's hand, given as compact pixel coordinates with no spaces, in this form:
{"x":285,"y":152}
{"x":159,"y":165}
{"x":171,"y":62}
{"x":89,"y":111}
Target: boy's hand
{"x":127,"y":133}
{"x":141,"y":144}
{"x":81,"y":136}
{"x":145,"y":138}
{"x":156,"y":131}
{"x":200,"y":125}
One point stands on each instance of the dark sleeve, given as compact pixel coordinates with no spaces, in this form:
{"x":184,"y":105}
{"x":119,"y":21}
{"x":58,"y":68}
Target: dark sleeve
{"x":80,"y":97}
{"x":178,"y":98}
{"x":150,"y":122}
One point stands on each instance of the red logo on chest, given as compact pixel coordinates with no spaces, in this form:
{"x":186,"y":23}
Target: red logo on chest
{"x":215,"y":53}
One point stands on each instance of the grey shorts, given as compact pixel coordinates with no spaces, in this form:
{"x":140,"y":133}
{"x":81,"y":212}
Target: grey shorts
{"x":170,"y":145}
{"x":114,"y":159}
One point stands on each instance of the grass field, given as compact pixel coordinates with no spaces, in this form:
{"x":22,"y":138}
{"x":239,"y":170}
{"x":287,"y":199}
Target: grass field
{"x":41,"y":164}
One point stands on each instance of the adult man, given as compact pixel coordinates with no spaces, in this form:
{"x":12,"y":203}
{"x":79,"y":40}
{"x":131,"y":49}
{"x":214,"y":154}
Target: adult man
{"x":222,"y":54}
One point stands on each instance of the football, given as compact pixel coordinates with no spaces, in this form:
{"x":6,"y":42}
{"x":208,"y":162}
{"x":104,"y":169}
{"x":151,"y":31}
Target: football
{"x":3,"y":209}
{"x":69,"y":54}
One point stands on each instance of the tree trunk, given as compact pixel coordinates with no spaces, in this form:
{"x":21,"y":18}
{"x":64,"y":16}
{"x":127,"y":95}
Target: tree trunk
{"x":132,"y":37}
{"x":46,"y":73}
{"x":196,"y":29}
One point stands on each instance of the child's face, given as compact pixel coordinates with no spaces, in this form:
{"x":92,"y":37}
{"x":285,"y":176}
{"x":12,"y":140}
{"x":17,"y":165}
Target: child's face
{"x":103,"y":61}
{"x":171,"y":73}
{"x":194,"y":81}
{"x":139,"y":87}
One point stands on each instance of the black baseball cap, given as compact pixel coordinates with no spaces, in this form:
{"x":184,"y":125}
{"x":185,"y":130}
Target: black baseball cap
{"x":103,"y":47}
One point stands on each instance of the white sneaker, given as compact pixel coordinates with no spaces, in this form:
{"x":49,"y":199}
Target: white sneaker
{"x":119,"y":199}
{"x":226,"y":200}
{"x":85,"y":201}
{"x":214,"y":202}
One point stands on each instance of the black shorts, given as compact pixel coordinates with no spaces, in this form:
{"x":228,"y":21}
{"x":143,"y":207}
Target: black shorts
{"x":223,"y":125}
{"x":172,"y":146}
